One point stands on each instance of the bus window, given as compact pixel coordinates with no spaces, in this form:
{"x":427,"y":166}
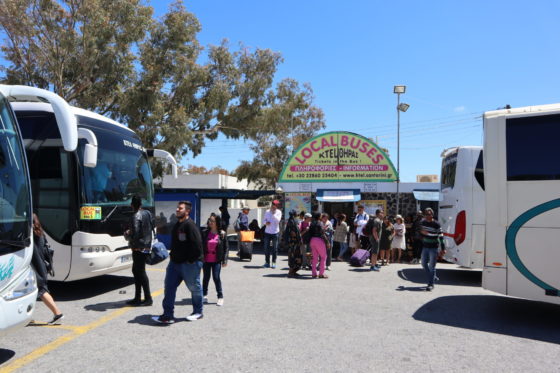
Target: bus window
{"x":479,"y":170}
{"x":532,"y":149}
{"x":449,"y":166}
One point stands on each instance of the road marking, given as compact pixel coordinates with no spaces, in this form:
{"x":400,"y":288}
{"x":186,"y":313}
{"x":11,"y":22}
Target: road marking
{"x":76,"y":332}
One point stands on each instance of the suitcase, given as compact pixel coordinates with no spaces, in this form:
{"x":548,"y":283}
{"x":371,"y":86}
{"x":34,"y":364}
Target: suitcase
{"x":359,"y":258}
{"x":246,"y":250}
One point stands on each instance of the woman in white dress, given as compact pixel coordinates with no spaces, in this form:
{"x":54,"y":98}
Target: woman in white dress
{"x":399,"y":242}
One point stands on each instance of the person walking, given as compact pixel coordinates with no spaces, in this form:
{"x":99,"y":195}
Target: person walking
{"x":360,"y":222}
{"x":292,"y":237}
{"x":139,"y":237}
{"x":386,"y":240}
{"x":341,"y":236}
{"x":241,"y":224}
{"x":185,"y":263}
{"x":40,"y":246}
{"x":375,"y":238}
{"x":216,"y":249}
{"x":271,"y":221}
{"x":432,"y":237}
{"x":318,"y":244}
{"x":399,"y":242}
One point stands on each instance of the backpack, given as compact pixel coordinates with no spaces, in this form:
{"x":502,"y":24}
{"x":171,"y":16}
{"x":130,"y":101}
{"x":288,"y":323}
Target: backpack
{"x":236,"y":225}
{"x":368,"y":229}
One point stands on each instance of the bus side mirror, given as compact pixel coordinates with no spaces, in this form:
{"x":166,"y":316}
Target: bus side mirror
{"x":90,"y":155}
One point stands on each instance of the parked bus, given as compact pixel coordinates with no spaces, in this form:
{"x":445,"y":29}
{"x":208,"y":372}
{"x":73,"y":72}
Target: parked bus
{"x":522,"y":182}
{"x":82,"y":196}
{"x":18,"y":285}
{"x":461,"y":206}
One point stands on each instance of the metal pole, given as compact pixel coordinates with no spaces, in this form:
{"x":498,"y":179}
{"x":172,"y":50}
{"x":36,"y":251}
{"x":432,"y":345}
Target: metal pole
{"x":398,"y":149}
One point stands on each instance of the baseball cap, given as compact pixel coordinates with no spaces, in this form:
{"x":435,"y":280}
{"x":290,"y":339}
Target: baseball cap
{"x":307,"y":215}
{"x":276,"y":202}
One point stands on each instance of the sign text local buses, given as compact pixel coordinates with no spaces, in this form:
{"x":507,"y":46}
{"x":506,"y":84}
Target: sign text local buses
{"x":338,"y":156}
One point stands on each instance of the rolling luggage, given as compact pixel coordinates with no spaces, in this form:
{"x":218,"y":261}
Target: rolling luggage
{"x":359,"y":258}
{"x":246,"y":250}
{"x":247,"y":236}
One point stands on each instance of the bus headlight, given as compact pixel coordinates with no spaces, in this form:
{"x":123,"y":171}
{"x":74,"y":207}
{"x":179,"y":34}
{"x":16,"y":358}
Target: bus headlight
{"x":26,"y":285}
{"x":94,"y":249}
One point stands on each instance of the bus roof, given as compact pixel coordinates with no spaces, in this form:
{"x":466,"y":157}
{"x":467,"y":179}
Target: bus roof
{"x":523,"y":110}
{"x":40,"y":106}
{"x":447,"y":151}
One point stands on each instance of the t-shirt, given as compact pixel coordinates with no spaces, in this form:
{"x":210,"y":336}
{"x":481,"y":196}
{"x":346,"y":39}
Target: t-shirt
{"x":430,"y":239}
{"x":274,"y":219}
{"x":212,"y":243}
{"x":361,"y":220}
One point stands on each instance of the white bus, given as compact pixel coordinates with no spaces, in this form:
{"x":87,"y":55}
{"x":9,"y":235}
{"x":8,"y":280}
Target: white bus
{"x":522,"y":180}
{"x":461,"y":206}
{"x":82,"y":196}
{"x":18,"y":287}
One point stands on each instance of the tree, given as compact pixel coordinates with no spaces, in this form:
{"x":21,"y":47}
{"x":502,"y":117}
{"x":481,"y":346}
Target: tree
{"x":216,"y":170}
{"x":288,"y":120}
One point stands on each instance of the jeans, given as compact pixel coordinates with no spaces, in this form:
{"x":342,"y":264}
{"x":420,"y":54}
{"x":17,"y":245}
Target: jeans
{"x":268,"y":250}
{"x":343,"y":248}
{"x":429,"y":257}
{"x":175,"y":273}
{"x":141,"y":280}
{"x":319,"y":251}
{"x":212,"y":269}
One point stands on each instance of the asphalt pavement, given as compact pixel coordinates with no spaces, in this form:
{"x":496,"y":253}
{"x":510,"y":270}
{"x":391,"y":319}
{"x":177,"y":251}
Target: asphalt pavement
{"x":357,"y":320}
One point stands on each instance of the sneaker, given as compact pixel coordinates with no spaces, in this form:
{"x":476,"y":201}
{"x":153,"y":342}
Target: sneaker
{"x":430,"y":287}
{"x":273,"y":265}
{"x":56,"y":319}
{"x":220,"y":302}
{"x":134,"y":302}
{"x":205,"y":299}
{"x":194,"y":316}
{"x":147,"y":302}
{"x":163,"y":319}
{"x":266,"y":265}
{"x":374,"y":268}
{"x":328,"y":268}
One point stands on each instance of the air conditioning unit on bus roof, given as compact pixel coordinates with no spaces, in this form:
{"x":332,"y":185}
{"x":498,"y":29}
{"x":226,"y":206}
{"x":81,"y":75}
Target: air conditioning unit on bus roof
{"x":427,"y":178}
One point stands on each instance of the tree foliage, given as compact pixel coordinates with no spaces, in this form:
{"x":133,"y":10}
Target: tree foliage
{"x":113,"y":57}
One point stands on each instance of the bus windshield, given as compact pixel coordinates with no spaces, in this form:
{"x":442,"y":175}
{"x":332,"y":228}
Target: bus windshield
{"x":122,"y":171}
{"x":15,"y":209}
{"x":448,"y":169}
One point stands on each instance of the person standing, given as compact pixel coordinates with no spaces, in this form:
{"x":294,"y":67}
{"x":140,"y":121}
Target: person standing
{"x":341,"y":236}
{"x":386,"y":240}
{"x":318,"y":244}
{"x":184,"y":265}
{"x":375,"y":238}
{"x":399,"y":242}
{"x":360,"y":222}
{"x":216,"y":250}
{"x":417,"y":237}
{"x":292,"y":237}
{"x":140,"y":242}
{"x":271,"y":222}
{"x":41,"y":272}
{"x":432,"y":237}
{"x":329,"y":232}
{"x":241,"y":224}
{"x":224,"y":216}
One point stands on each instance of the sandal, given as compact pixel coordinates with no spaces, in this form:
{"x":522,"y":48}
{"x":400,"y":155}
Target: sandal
{"x":323,"y":276}
{"x":313,"y":276}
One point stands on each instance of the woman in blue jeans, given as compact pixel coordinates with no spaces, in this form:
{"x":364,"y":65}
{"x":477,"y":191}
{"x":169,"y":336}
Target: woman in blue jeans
{"x":215,"y":245}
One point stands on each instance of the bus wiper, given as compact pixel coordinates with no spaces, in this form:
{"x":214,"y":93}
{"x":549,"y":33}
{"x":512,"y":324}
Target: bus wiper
{"x":109,"y":215}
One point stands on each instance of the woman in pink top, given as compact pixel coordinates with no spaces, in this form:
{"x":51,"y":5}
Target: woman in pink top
{"x":216,"y":251}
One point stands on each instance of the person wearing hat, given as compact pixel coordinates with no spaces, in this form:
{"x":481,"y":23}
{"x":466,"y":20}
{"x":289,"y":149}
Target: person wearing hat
{"x":241,"y":224}
{"x":292,"y":239}
{"x":399,"y":243}
{"x":271,"y":222}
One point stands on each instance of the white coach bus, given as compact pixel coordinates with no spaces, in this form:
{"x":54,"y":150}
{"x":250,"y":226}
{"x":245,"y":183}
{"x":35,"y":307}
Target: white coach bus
{"x":522,"y":180}
{"x":18,"y":286}
{"x":82,"y":196}
{"x":461,"y":206}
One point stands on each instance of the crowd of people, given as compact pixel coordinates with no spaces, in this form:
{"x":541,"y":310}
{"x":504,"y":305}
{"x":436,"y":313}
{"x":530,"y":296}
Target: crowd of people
{"x":312,"y":240}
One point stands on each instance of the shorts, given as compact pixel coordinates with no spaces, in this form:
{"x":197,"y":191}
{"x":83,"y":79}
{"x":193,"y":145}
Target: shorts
{"x":374,"y":245}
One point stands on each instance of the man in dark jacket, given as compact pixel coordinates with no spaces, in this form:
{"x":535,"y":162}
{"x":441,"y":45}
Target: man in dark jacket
{"x":140,"y":241}
{"x":185,"y":263}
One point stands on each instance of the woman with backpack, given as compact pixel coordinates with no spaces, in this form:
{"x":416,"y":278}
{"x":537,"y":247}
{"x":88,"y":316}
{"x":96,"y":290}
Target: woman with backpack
{"x":39,"y":260}
{"x":216,"y":249}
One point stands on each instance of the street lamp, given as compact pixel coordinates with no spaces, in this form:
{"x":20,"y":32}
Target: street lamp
{"x":399,"y":89}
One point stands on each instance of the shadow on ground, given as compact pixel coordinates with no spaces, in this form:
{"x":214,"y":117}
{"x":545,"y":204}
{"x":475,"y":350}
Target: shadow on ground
{"x":147,"y":320}
{"x":285,"y":275}
{"x":446,"y":276}
{"x":102,"y":307}
{"x":88,"y":288}
{"x":495,"y":314}
{"x":6,"y":355}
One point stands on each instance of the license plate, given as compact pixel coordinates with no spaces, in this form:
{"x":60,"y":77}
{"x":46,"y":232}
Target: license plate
{"x":126,"y":258}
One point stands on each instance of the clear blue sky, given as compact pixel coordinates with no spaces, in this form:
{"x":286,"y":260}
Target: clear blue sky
{"x":457,"y":59}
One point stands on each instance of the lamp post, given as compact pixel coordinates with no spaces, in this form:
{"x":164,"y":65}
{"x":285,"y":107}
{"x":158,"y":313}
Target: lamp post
{"x":399,"y":89}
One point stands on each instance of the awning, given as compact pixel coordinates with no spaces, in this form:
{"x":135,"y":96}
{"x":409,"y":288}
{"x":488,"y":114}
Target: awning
{"x":426,"y":195}
{"x":338,"y":195}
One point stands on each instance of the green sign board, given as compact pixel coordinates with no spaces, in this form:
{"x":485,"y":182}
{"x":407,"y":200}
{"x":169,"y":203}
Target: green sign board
{"x":338,"y":156}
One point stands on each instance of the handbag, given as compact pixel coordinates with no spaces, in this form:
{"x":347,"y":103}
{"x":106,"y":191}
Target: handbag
{"x":48,"y":254}
{"x":158,"y":254}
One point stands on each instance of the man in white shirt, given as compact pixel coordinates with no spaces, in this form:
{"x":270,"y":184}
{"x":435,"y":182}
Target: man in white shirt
{"x":360,"y":222}
{"x":271,"y":221}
